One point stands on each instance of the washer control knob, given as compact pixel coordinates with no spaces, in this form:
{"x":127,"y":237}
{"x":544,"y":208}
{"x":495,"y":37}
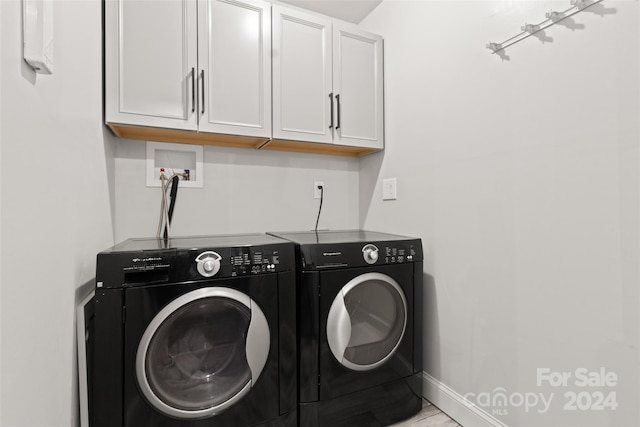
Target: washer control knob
{"x":370,"y":254}
{"x":208,"y":263}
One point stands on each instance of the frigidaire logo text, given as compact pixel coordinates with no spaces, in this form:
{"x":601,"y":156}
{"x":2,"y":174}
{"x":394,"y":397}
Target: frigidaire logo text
{"x":331,"y":253}
{"x":146,"y":259}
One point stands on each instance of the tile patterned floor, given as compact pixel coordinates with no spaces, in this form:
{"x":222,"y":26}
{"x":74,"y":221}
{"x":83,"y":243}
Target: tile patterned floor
{"x":430,"y":416}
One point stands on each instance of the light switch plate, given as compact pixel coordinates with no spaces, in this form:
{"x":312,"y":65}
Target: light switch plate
{"x":37,"y":28}
{"x":390,"y":189}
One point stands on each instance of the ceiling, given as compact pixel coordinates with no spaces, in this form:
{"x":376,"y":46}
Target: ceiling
{"x":347,"y":10}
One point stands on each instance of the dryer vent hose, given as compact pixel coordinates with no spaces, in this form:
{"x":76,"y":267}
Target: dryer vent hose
{"x":166,"y":208}
{"x":172,"y":195}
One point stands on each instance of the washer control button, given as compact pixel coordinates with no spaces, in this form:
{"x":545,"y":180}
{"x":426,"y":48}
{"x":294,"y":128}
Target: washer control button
{"x":208,"y":263}
{"x":370,"y":254}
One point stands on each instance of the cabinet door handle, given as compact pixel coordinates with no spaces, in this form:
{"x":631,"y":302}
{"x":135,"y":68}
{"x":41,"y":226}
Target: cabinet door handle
{"x":193,"y":90}
{"x":338,"y":100}
{"x":202,"y":89}
{"x":331,"y":98}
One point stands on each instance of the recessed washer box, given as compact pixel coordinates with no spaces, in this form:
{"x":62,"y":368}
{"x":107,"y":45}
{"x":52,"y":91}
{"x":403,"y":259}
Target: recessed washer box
{"x":180,"y":159}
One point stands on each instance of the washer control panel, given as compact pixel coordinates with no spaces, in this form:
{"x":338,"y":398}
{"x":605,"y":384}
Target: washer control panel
{"x":370,"y":253}
{"x":159,"y":262}
{"x":254,"y":260}
{"x":208,"y":263}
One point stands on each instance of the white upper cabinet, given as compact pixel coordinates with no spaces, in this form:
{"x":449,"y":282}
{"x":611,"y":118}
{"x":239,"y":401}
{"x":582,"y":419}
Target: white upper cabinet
{"x":242,"y":73}
{"x":234,"y":56}
{"x":327,"y":81}
{"x":302,"y":82}
{"x":151,"y":49}
{"x":358,"y":87}
{"x":191,"y":65}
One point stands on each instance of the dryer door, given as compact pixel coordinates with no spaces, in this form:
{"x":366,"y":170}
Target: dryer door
{"x":202,"y":352}
{"x":367,"y":321}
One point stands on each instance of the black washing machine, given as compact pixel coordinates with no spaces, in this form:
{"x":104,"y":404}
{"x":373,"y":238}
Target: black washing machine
{"x":196,"y":332}
{"x":359,"y":327}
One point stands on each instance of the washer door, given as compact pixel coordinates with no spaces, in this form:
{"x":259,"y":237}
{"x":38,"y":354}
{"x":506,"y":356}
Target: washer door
{"x":366,"y":321}
{"x":202,"y":352}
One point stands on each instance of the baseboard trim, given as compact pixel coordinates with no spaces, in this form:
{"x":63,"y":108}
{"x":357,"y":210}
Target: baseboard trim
{"x":455,"y":405}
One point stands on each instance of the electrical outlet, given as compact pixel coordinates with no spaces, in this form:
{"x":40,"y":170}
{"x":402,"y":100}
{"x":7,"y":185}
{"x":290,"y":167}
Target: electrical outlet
{"x":317,"y":193}
{"x":390,"y":189}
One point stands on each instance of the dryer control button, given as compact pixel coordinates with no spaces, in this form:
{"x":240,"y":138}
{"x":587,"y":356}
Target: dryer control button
{"x":208,"y":263}
{"x":370,"y":254}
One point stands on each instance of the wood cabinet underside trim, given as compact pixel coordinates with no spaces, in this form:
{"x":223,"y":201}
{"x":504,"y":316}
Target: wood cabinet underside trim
{"x":234,"y":141}
{"x":317,"y":148}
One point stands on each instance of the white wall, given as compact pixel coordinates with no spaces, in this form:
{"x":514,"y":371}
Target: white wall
{"x":522,"y":177}
{"x":56,"y":168}
{"x":0,"y":221}
{"x":245,"y":191}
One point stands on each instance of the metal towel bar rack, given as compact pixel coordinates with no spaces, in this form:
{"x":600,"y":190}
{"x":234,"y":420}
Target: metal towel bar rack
{"x":553,"y":17}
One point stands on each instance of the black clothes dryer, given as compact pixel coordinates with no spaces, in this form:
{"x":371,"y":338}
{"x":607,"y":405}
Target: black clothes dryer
{"x":359,"y":327}
{"x":196,"y":332}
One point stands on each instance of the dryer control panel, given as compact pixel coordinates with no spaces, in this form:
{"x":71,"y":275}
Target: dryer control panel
{"x":327,"y":249}
{"x":326,"y":256}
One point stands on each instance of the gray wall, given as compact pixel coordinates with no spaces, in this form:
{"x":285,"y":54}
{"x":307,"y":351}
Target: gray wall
{"x":522,"y":178}
{"x":245,"y":191}
{"x":57,"y":176}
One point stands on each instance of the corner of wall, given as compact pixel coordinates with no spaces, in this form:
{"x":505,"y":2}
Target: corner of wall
{"x":1,"y":225}
{"x":455,"y":405}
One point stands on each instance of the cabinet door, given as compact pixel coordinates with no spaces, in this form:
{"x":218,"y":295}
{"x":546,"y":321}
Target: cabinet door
{"x":358,"y":87}
{"x":301,"y":76}
{"x":234,"y":58}
{"x":151,"y":59}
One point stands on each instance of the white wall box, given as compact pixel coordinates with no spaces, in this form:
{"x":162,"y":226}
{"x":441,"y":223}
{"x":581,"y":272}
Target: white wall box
{"x":202,"y":66}
{"x":175,"y":159}
{"x":327,"y":82}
